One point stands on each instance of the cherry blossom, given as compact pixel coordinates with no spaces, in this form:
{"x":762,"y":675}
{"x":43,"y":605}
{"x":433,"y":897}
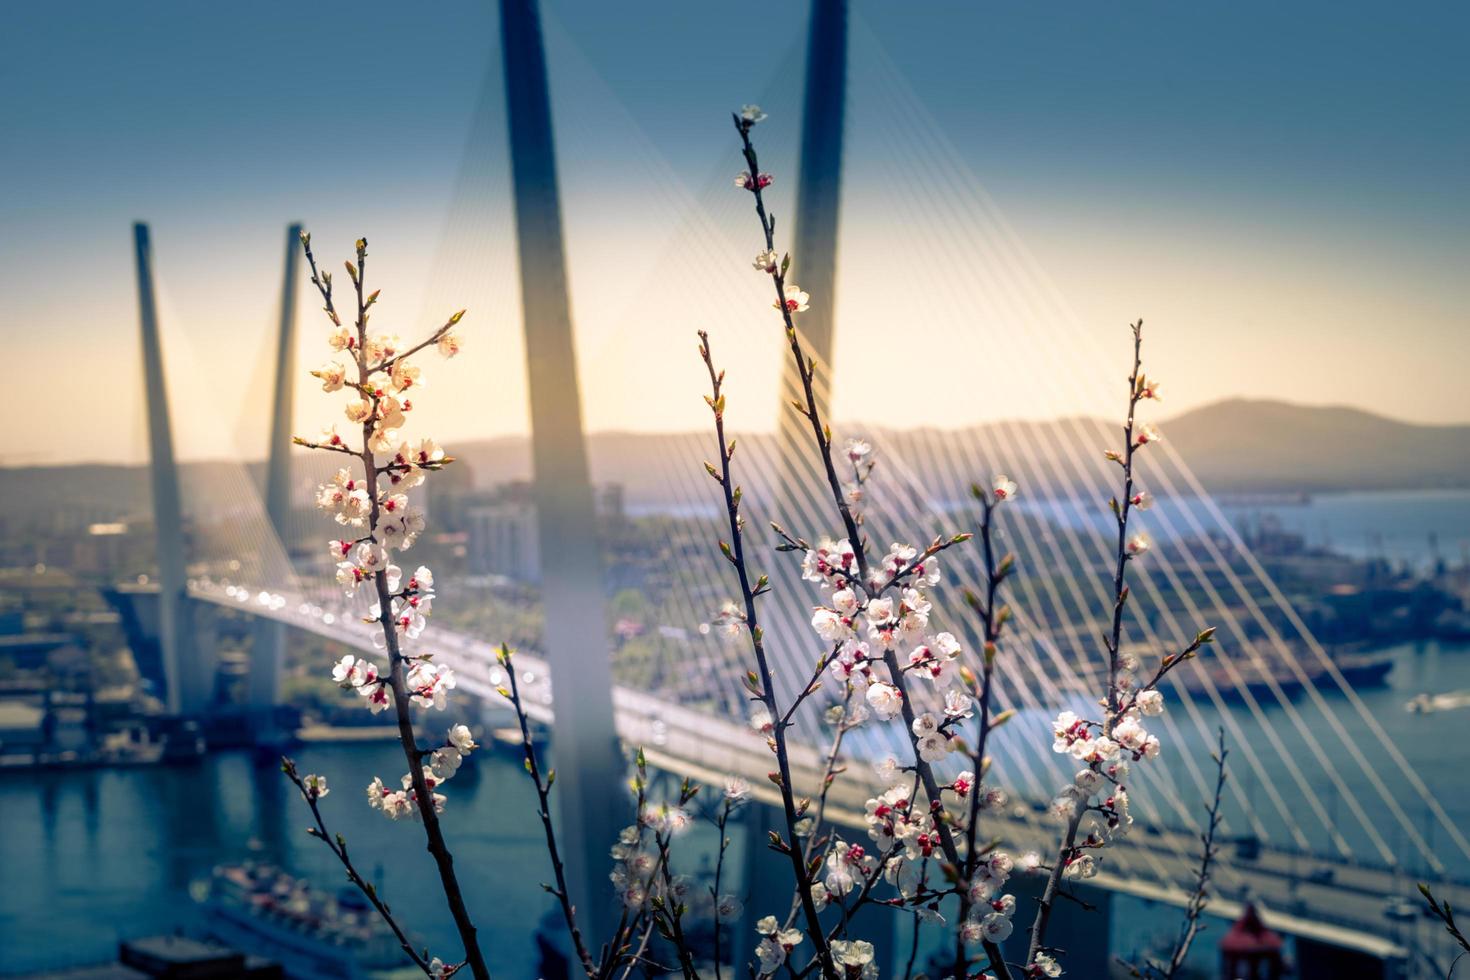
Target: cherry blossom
{"x":767,"y":261}
{"x":751,"y":114}
{"x":797,"y":300}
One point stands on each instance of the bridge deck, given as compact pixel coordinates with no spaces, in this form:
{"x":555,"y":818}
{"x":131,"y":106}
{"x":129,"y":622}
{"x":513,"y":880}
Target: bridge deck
{"x":1326,"y":898}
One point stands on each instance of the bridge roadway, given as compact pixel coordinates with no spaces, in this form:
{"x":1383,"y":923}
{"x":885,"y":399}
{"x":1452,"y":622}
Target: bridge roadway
{"x":1331,"y":899}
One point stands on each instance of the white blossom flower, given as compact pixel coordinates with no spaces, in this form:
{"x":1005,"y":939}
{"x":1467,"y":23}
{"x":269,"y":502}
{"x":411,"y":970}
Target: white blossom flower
{"x":1138,"y":544}
{"x":667,"y":819}
{"x":774,"y":949}
{"x":1089,"y":781}
{"x":854,"y":953}
{"x":1081,"y":866}
{"x":1150,"y":748}
{"x":957,"y":704}
{"x":1063,"y":808}
{"x":332,"y":376}
{"x":737,"y":790}
{"x":403,"y":376}
{"x":884,"y":699}
{"x":380,"y":346}
{"x":752,"y":114}
{"x":887,"y":768}
{"x":445,"y":761}
{"x":359,"y":410}
{"x":354,"y":672}
{"x":830,"y":625}
{"x":767,"y":261}
{"x":1003,"y":487}
{"x":761,"y":181}
{"x":462,"y":739}
{"x":1129,"y":734}
{"x":1142,"y":500}
{"x":840,"y":879}
{"x":448,"y":343}
{"x":1047,"y":966}
{"x":429,"y":683}
{"x":1147,"y":434}
{"x":933,"y":748}
{"x":995,"y":927}
{"x":796,"y":301}
{"x":316,"y":786}
{"x":1151,"y":702}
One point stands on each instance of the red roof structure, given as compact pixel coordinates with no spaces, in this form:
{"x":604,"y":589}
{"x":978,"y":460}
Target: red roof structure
{"x":1250,"y":951}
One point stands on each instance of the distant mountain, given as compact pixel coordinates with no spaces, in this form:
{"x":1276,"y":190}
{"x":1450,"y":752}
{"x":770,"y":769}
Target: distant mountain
{"x":1232,"y":446}
{"x":1248,"y":445}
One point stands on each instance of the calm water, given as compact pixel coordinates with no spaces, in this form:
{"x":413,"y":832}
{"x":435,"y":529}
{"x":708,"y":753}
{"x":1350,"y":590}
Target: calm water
{"x":1405,"y":526}
{"x":89,"y":857}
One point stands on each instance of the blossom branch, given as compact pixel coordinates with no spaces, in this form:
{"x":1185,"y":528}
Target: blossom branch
{"x":734,"y":793}
{"x":312,"y":789}
{"x":790,"y":299}
{"x":543,"y":796}
{"x":764,"y":687}
{"x":1119,"y":729}
{"x":992,"y":622}
{"x":378,"y":409}
{"x":1208,"y":851}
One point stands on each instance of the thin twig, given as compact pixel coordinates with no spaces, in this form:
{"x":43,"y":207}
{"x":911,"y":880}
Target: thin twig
{"x":1200,"y":897}
{"x":543,"y":796}
{"x":822,"y":438}
{"x":338,"y":846}
{"x":423,"y":796}
{"x":765,"y":684}
{"x":993,"y":622}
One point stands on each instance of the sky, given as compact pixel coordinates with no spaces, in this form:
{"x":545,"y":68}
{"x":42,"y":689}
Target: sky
{"x":1279,"y":190}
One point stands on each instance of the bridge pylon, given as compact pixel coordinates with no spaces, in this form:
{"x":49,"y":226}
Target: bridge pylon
{"x":814,"y":248}
{"x":591,"y":810}
{"x":187,"y":682}
{"x":268,"y":650}
{"x":801,"y":480}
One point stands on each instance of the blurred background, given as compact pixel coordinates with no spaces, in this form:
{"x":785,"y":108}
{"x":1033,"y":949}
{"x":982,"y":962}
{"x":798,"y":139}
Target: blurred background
{"x":989,"y":195}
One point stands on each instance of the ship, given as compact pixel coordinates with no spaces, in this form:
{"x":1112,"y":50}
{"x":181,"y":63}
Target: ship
{"x":1265,"y":674}
{"x":311,"y":933}
{"x":1268,"y":674}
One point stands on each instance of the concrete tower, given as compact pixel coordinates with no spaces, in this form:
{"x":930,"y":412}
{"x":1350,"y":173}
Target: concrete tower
{"x":183,"y":680}
{"x":572,"y":590}
{"x":818,"y":200}
{"x":269,"y":652}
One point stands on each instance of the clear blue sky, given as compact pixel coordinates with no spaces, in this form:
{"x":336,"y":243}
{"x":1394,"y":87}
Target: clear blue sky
{"x":1281,"y":188}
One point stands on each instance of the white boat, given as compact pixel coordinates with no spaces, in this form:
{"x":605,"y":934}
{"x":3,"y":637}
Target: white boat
{"x":260,"y":909}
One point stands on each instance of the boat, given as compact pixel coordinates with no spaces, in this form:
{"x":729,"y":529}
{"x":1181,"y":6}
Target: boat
{"x":1425,"y":702}
{"x":311,"y":933}
{"x":1262,"y":673}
